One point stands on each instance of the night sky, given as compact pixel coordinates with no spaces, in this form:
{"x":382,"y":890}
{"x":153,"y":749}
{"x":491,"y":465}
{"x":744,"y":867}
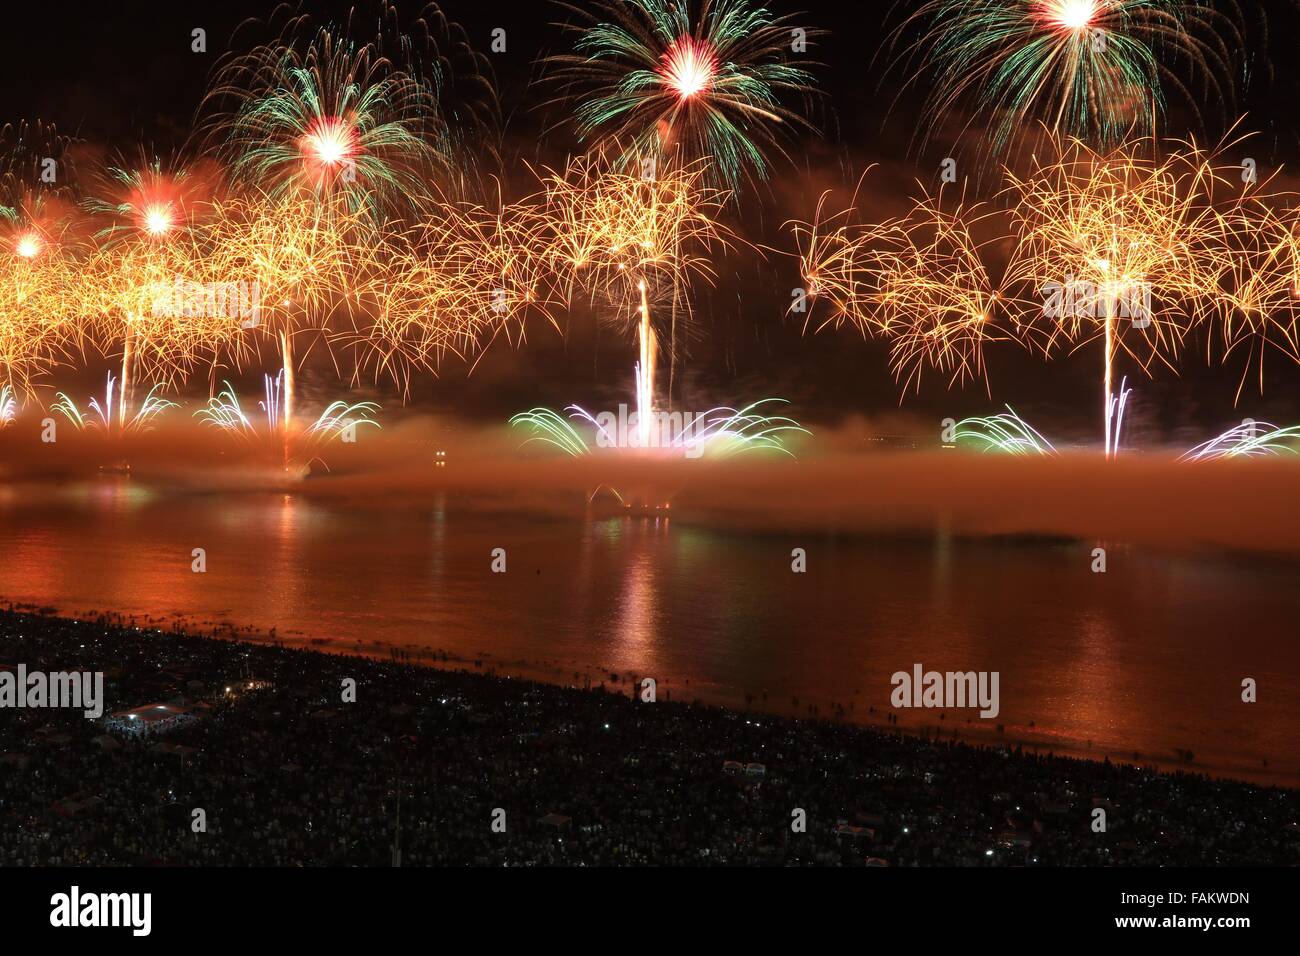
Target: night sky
{"x":126,"y":77}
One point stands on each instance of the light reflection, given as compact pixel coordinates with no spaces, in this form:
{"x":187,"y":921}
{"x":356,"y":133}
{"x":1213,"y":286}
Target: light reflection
{"x":1114,"y":659}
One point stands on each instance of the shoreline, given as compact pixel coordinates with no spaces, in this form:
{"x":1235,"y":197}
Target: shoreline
{"x":290,"y":771}
{"x":953,"y":726}
{"x":584,"y":776}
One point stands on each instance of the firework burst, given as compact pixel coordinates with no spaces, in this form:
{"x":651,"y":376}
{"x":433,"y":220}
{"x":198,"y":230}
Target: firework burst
{"x":1094,"y":69}
{"x":150,"y":201}
{"x":702,"y":78}
{"x":8,"y":406}
{"x":1253,"y":250}
{"x":150,"y":235}
{"x":1250,"y":439}
{"x":304,"y":264}
{"x":718,"y":433}
{"x":340,"y":420}
{"x":364,"y":125}
{"x":100,"y":417}
{"x":633,"y":243}
{"x":37,"y":154}
{"x":606,"y":229}
{"x":918,"y":280}
{"x":43,"y":239}
{"x":333,"y":123}
{"x":936,"y":301}
{"x":1113,"y":245}
{"x":1006,"y":432}
{"x":41,"y":278}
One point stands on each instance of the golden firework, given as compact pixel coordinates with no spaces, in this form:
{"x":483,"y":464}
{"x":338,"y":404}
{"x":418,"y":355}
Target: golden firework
{"x":918,"y":280}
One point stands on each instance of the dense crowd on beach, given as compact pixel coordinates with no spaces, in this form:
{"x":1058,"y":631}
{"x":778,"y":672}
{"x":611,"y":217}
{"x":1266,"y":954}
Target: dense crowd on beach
{"x":456,"y":767}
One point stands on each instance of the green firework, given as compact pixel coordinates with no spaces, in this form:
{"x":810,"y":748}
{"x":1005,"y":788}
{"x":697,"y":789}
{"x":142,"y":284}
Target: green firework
{"x":1099,"y":70}
{"x":707,"y":78}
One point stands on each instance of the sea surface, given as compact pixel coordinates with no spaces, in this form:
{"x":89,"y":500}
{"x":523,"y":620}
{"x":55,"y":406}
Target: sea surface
{"x":1147,"y":663}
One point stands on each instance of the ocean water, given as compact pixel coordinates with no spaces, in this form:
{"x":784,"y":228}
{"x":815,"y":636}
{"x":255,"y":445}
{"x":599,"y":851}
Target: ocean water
{"x":1147,"y":662}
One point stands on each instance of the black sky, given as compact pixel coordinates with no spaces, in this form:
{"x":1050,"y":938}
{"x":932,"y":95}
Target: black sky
{"x":124,"y":74}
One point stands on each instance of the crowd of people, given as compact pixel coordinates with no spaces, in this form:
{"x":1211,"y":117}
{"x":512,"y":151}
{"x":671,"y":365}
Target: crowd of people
{"x":286,"y":762}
